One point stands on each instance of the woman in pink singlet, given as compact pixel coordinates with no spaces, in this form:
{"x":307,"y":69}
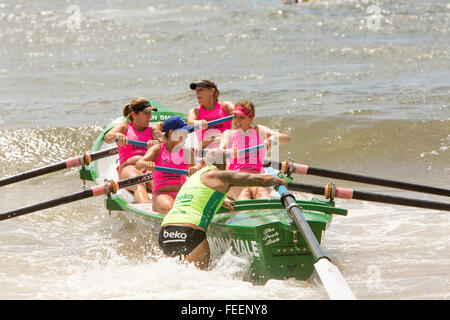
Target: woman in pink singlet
{"x":246,"y":136}
{"x":138,"y":114}
{"x":209,"y":109}
{"x":169,"y":154}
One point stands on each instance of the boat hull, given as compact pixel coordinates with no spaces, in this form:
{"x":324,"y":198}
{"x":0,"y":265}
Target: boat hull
{"x":264,"y":236}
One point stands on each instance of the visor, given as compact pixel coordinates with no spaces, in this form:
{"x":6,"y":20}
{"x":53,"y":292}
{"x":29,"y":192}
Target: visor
{"x":242,"y":111}
{"x":144,"y":107}
{"x":202,"y":84}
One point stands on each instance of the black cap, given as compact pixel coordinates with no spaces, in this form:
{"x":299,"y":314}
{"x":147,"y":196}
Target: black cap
{"x":201,"y":83}
{"x":145,"y":107}
{"x":139,"y":104}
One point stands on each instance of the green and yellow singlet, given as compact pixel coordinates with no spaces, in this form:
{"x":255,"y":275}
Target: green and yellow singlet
{"x":195,"y":203}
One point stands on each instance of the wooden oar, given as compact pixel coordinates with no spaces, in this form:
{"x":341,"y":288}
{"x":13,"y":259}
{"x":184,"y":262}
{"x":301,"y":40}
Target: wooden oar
{"x":343,"y":193}
{"x":70,"y":163}
{"x":109,"y":187}
{"x":333,"y":281}
{"x":304,"y":169}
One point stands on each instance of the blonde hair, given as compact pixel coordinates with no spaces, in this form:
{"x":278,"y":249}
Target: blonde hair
{"x":247,"y":104}
{"x":216,"y":89}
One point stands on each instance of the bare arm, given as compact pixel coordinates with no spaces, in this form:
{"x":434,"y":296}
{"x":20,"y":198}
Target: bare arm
{"x":242,"y":179}
{"x":157,"y":134}
{"x":194,"y":163}
{"x":192,"y":119}
{"x":222,"y":180}
{"x":147,"y":161}
{"x":117,"y":132}
{"x":225,"y":141}
{"x":268,"y":134}
{"x":228,"y":106}
{"x":192,"y":116}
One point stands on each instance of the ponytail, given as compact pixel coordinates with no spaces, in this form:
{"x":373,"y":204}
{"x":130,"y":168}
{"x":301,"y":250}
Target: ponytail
{"x":127,"y":112}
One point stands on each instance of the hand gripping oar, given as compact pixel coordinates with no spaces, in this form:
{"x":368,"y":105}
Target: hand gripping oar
{"x":83,"y":160}
{"x":304,"y":169}
{"x":330,"y":191}
{"x":181,"y":171}
{"x":108,"y":188}
{"x":333,"y":281}
{"x":240,"y":152}
{"x":214,"y":122}
{"x":136,"y":143}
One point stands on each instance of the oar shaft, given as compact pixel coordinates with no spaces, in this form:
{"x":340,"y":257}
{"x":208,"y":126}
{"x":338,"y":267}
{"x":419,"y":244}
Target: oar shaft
{"x":110,"y":186}
{"x":334,"y":283}
{"x":304,"y":169}
{"x":32,"y":173}
{"x":104,"y":153}
{"x":240,"y":152}
{"x":136,"y":143}
{"x":296,"y":215}
{"x":45,"y":205}
{"x":69,"y":163}
{"x":418,"y":203}
{"x":344,"y":193}
{"x":221,"y":120}
{"x":251,"y":149}
{"x":217,"y":121}
{"x":171,"y":170}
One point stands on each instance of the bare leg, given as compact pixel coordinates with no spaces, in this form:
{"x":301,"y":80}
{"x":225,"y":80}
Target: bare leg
{"x":261,"y":193}
{"x":234,"y":192}
{"x":162,"y":203}
{"x":140,"y":190}
{"x":245,"y":194}
{"x":200,"y":255}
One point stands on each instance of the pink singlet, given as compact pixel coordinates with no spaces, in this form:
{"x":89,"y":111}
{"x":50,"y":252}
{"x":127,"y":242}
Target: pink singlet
{"x":209,"y":115}
{"x":249,"y":162}
{"x":167,"y":159}
{"x":129,"y":150}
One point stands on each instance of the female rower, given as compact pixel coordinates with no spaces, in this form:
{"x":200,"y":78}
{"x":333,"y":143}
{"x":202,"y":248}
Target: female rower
{"x":246,"y":136}
{"x":138,"y":114}
{"x":169,"y":154}
{"x":183,"y":230}
{"x":209,"y":109}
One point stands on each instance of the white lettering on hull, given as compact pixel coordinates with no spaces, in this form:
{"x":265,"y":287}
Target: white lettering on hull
{"x":241,"y":247}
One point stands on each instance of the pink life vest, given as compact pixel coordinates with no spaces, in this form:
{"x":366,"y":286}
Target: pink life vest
{"x":173,"y":160}
{"x":252,"y":161}
{"x":129,"y":150}
{"x":209,"y":115}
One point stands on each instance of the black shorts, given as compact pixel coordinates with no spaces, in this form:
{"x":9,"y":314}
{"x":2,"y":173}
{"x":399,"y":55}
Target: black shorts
{"x":179,"y":241}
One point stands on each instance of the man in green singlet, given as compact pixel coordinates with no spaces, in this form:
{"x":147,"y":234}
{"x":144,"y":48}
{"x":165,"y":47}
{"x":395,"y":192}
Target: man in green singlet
{"x":183,"y":230}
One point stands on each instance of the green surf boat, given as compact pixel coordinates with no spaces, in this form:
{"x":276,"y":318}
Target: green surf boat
{"x":258,"y":230}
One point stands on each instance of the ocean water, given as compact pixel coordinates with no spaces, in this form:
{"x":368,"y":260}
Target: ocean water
{"x":360,"y":86}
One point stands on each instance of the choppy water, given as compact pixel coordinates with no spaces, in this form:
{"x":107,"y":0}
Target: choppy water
{"x":352,"y":94}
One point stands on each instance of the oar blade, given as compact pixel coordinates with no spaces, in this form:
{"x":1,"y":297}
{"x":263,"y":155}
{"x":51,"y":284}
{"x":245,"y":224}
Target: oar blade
{"x":333,"y":281}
